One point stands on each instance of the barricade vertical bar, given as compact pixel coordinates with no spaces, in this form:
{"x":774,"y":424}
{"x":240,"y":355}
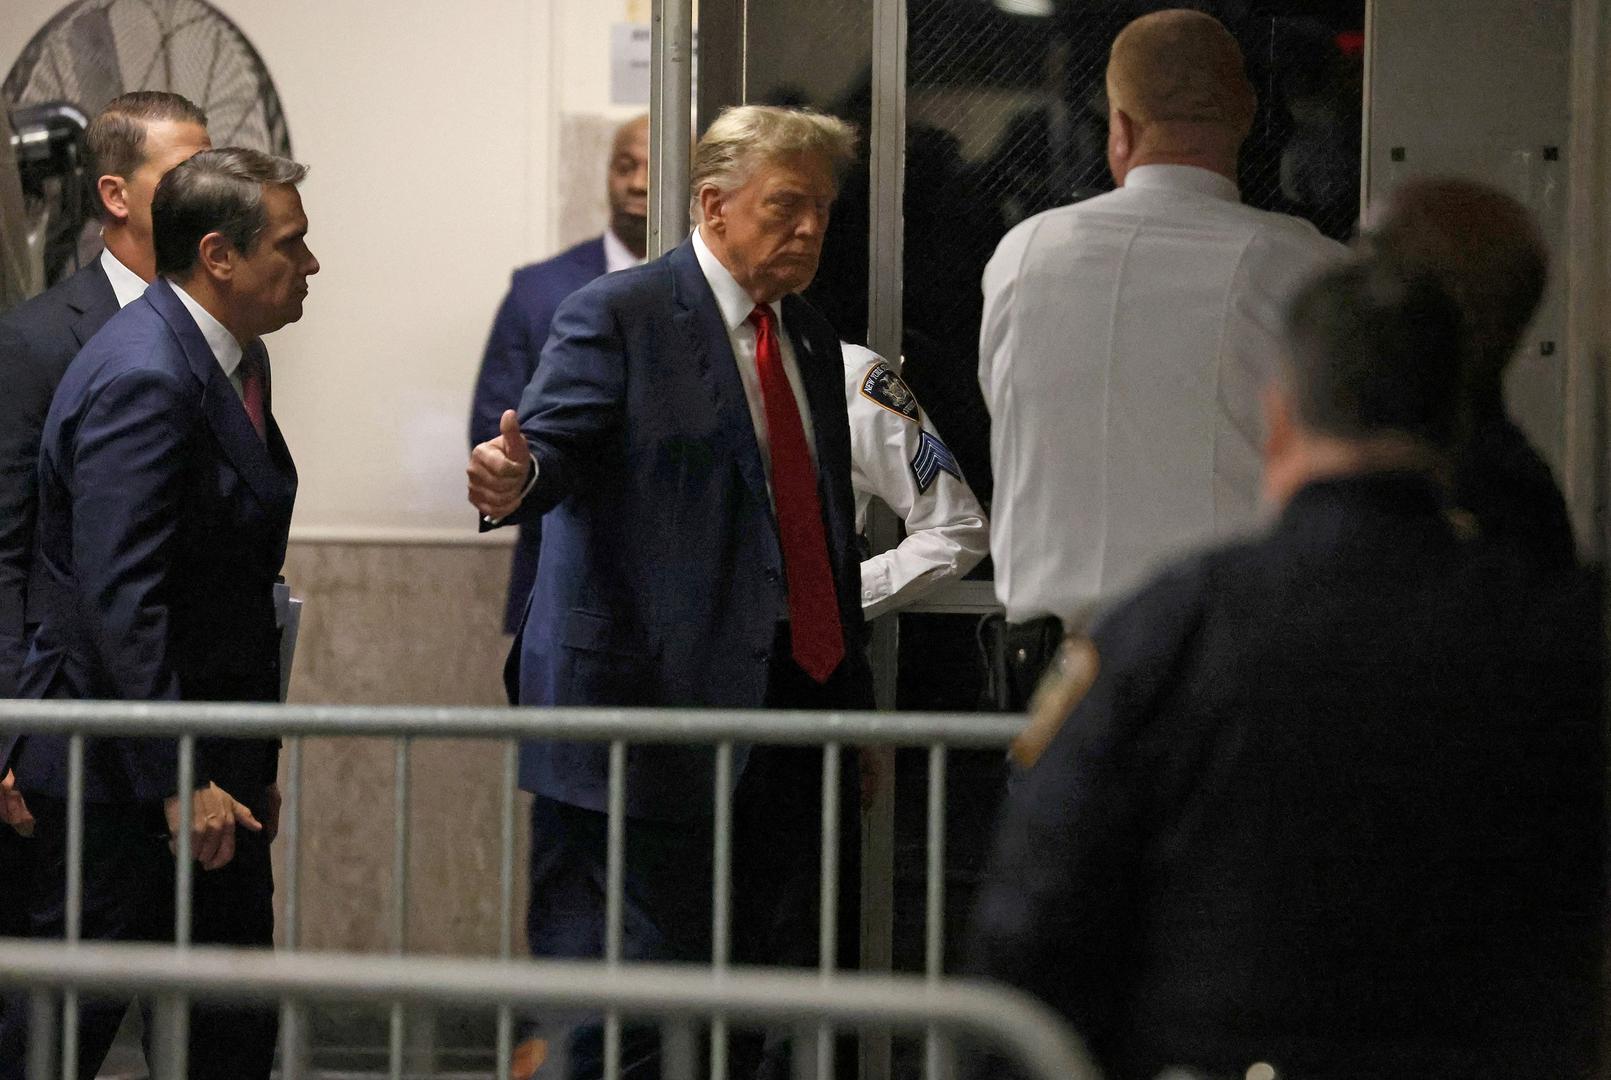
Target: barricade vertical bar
{"x":184,"y":866}
{"x":506,"y":894}
{"x":74,"y":915}
{"x":935,"y":1053}
{"x":721,"y":919}
{"x":168,"y":1040}
{"x":291,"y":1012}
{"x":41,"y":1035}
{"x":177,"y":1006}
{"x":679,"y":1050}
{"x":828,"y":901}
{"x":399,"y":928}
{"x":614,"y":897}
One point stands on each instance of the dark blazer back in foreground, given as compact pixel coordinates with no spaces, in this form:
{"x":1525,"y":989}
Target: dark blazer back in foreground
{"x":1335,"y":802}
{"x":661,"y":577}
{"x":38,"y":339}
{"x":162,"y":529}
{"x":518,"y":334}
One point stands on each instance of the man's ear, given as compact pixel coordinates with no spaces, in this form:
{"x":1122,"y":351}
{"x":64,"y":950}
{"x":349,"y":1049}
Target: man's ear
{"x":114,"y":195}
{"x":712,"y":207}
{"x":1121,"y":143}
{"x":216,"y":256}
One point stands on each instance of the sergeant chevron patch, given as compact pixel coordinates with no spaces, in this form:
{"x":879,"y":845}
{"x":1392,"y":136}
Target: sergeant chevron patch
{"x":883,"y":387}
{"x":932,"y":459}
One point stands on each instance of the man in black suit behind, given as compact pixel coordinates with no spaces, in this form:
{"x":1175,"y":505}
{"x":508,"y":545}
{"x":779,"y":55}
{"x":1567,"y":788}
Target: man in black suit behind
{"x":132,"y":143}
{"x":1333,"y":799}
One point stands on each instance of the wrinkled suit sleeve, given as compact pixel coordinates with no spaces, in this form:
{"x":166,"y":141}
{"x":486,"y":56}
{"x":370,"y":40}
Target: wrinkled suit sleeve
{"x":506,"y":369}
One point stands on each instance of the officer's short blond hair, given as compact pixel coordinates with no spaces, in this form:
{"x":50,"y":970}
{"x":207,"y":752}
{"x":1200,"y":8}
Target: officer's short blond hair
{"x":744,"y":136}
{"x":1180,"y":66}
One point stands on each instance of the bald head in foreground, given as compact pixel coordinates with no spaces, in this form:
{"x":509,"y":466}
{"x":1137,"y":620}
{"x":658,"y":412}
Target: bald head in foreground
{"x":1126,"y":337}
{"x":1484,"y":249}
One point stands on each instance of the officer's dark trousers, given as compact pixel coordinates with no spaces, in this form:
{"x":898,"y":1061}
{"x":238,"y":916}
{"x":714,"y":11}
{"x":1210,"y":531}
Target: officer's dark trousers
{"x":128,"y":896}
{"x":667,"y":902}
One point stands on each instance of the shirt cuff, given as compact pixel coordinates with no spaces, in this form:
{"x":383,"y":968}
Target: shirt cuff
{"x":530,"y":483}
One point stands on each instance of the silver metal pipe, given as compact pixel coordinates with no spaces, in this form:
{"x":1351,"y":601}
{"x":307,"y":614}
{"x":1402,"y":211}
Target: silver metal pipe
{"x":828,"y":898}
{"x":177,"y":1009}
{"x":170,"y":1035}
{"x":399,"y":920}
{"x":614,"y":897}
{"x":994,"y":1014}
{"x":291,"y":838}
{"x":143,"y":719}
{"x":74,"y":914}
{"x":292,"y":1065}
{"x":934,"y":1052}
{"x":671,"y":71}
{"x":506,"y":895}
{"x":721,"y":919}
{"x":679,"y":1050}
{"x":42,"y":1036}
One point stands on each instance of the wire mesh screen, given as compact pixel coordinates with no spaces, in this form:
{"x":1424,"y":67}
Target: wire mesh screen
{"x":94,"y":50}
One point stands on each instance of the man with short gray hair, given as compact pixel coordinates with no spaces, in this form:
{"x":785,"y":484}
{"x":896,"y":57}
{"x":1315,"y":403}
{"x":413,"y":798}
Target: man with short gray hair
{"x":685,"y":440}
{"x":165,"y":500}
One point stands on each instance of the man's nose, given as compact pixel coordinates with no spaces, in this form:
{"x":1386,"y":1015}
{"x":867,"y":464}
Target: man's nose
{"x":640,"y":179}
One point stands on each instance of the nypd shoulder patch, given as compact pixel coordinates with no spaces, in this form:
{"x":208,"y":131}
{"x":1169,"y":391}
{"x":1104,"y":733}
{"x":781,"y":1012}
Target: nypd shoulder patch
{"x":883,"y":387}
{"x":932,"y":459}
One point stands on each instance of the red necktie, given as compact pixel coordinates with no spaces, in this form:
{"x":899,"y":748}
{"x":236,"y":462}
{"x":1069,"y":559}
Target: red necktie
{"x":251,"y":373}
{"x":817,"y":639}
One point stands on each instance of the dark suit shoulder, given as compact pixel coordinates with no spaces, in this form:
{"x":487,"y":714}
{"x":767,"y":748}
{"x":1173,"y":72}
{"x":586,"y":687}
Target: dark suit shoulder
{"x":41,"y":328}
{"x":578,"y":263}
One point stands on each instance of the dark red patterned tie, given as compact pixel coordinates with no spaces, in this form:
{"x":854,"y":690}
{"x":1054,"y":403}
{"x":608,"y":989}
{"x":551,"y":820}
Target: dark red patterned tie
{"x":251,"y":373}
{"x":817,"y":639}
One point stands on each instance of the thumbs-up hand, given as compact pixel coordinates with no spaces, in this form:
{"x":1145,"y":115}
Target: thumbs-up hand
{"x":499,"y":470}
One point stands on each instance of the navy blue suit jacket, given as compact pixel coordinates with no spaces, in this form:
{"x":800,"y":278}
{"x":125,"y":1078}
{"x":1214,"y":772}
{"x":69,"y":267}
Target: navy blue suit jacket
{"x":162,"y":530}
{"x":38,"y":339}
{"x":518,"y":335}
{"x":661,"y":577}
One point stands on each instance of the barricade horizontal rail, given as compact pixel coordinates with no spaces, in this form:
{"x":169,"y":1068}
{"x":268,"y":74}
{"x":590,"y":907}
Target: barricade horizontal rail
{"x":100,"y":718}
{"x":996,"y":1016}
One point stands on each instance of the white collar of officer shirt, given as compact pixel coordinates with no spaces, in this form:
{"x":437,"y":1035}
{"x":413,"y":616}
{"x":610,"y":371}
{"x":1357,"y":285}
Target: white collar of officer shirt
{"x":1184,"y":178}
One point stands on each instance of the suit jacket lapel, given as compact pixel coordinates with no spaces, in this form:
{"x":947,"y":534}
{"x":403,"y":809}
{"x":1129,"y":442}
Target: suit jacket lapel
{"x":704,"y":333}
{"x":221,"y":405}
{"x":90,"y":295}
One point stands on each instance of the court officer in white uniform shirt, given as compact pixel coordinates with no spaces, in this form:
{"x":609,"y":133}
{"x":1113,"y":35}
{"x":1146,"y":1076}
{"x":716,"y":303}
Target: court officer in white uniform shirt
{"x":898,"y":458}
{"x":1126,"y":340}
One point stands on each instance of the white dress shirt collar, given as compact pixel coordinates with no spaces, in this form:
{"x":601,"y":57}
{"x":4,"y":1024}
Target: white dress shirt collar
{"x":1184,"y":178}
{"x":225,"y":348}
{"x":617,"y":256}
{"x":735,"y":304}
{"x":126,"y":284}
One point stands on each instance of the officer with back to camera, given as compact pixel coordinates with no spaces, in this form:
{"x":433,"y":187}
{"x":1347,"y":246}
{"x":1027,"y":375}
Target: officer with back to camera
{"x":1125,"y":340}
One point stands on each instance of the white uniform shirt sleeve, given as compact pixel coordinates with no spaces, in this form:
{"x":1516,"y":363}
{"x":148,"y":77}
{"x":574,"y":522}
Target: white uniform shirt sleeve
{"x":947,"y":534}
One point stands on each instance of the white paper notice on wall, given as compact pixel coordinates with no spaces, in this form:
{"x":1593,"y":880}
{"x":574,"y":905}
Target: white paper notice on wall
{"x":629,"y":64}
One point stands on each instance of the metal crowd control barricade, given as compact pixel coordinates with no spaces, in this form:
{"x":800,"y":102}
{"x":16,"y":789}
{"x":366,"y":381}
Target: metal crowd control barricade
{"x":722,"y":730}
{"x":1003,"y":1020}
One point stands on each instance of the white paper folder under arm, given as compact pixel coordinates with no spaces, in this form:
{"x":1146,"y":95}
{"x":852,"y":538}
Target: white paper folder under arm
{"x":288,"y":617}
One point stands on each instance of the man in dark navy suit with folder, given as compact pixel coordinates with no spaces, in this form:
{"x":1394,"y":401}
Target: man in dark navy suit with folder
{"x":686,"y":440}
{"x":164,"y":504}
